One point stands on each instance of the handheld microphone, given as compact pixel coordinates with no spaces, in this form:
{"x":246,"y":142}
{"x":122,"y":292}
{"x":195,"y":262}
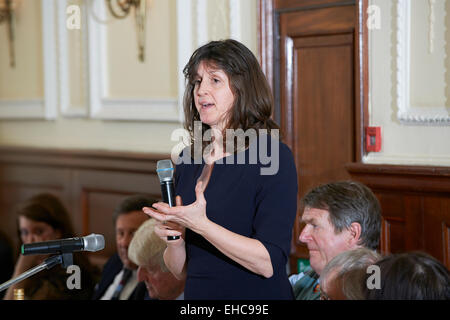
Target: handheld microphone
{"x":164,"y":169}
{"x":92,"y":242}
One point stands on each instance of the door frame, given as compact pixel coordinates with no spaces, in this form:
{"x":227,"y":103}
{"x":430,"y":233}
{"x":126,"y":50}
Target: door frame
{"x":269,"y":51}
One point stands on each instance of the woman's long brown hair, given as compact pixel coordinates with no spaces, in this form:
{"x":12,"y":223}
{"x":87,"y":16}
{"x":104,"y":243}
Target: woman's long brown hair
{"x":253,"y":99}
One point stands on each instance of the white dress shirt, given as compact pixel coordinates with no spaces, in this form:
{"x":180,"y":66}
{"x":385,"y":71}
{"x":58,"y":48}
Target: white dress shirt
{"x":127,"y":290}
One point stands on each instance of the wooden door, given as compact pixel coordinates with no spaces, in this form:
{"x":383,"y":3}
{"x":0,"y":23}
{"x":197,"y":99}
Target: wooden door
{"x":315,"y":78}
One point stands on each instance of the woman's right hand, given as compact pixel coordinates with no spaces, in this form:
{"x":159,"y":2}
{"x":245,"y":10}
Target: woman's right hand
{"x":175,"y":253}
{"x":165,"y":228}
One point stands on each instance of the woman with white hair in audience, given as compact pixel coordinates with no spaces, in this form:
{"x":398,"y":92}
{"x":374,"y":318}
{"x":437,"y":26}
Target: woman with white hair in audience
{"x":343,"y":278}
{"x":146,"y":250}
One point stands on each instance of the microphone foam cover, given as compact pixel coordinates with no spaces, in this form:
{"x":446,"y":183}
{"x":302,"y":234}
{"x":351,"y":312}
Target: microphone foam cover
{"x":94,"y":242}
{"x":164,"y":168}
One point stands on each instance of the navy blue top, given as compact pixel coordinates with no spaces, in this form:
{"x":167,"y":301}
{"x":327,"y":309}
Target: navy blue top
{"x":243,"y":200}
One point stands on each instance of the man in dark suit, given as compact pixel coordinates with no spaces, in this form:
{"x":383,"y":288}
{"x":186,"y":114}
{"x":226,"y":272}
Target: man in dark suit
{"x":119,"y":277}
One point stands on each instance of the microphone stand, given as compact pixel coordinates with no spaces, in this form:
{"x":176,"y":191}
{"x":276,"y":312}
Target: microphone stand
{"x":66,"y":259}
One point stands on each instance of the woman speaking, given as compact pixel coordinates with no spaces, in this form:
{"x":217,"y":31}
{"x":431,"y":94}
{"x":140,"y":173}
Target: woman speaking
{"x":234,"y":214}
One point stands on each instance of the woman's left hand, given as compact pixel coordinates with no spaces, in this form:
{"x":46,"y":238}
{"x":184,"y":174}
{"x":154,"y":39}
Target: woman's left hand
{"x":192,"y":216}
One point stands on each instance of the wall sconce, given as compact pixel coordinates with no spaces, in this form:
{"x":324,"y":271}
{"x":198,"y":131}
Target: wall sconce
{"x":7,"y":8}
{"x":122,"y":8}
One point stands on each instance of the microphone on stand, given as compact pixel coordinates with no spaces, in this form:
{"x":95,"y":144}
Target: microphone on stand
{"x":164,"y":169}
{"x":64,"y":249}
{"x":92,"y":242}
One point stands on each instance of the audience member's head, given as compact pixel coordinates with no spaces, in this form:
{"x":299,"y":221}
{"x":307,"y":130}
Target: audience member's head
{"x":128,"y":217}
{"x":411,"y":276}
{"x":252,"y":103}
{"x":343,"y":277}
{"x":43,"y":218}
{"x":147,"y":251}
{"x":339,"y":216}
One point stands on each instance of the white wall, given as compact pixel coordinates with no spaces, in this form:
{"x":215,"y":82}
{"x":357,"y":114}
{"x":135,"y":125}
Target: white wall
{"x":419,"y":142}
{"x":120,"y":86}
{"x":422,"y":137}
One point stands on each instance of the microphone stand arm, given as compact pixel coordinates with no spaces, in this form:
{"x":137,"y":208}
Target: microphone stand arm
{"x":66,"y":259}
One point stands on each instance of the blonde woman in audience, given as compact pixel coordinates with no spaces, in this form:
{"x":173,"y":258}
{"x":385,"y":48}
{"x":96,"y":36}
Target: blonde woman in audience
{"x":343,"y":278}
{"x":146,"y":250}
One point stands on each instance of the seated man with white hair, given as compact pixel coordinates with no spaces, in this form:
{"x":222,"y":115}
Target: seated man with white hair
{"x":146,"y":250}
{"x":343,"y":278}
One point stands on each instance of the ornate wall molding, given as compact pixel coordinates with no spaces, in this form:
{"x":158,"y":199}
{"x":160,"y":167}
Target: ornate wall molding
{"x":106,"y":108}
{"x":23,"y":109}
{"x":235,"y":19}
{"x":45,"y":108}
{"x":408,"y":113}
{"x":66,"y":108}
{"x":185,"y":31}
{"x":193,"y":30}
{"x":432,"y":19}
{"x":201,"y":10}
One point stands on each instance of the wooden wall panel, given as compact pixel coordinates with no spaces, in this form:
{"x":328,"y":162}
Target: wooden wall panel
{"x":435,"y":224}
{"x":446,"y":244}
{"x":98,"y":208}
{"x":415,"y":205}
{"x":89,"y":183}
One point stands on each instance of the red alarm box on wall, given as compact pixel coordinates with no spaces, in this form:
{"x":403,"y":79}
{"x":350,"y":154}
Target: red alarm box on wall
{"x":373,"y":139}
